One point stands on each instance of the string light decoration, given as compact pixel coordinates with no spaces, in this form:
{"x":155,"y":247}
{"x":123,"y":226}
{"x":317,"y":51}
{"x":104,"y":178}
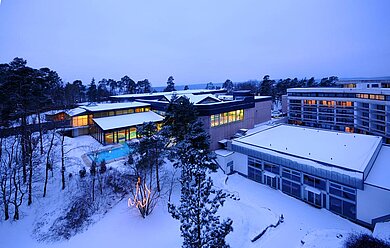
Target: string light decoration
{"x":141,"y":197}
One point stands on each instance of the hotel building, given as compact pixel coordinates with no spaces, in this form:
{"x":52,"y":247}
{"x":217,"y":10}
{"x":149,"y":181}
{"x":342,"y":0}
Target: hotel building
{"x":360,"y":106}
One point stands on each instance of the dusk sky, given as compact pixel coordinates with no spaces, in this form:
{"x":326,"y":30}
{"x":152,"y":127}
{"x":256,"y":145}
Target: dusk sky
{"x":198,"y":41}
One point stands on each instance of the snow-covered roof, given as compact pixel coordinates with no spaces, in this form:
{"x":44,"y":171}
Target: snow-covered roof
{"x":76,"y":111}
{"x":112,"y":106}
{"x":380,"y":172}
{"x":345,"y":150}
{"x":340,"y":90}
{"x":261,"y":97}
{"x":168,"y":94}
{"x":122,"y":121}
{"x":223,"y":152}
{"x":197,"y":99}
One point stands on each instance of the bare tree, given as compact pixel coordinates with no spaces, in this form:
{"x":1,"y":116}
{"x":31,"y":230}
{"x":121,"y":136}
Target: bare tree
{"x":6,"y":165}
{"x":63,"y":161}
{"x":32,"y":145}
{"x":49,"y":164}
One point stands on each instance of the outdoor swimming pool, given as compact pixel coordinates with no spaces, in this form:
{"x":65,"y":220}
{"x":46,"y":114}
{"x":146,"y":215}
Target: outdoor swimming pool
{"x":110,"y":155}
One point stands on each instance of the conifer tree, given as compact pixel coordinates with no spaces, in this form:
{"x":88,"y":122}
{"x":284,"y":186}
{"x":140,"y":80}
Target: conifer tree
{"x":200,"y":225}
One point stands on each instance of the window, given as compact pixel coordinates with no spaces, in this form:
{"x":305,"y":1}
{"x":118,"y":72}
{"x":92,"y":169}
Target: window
{"x":79,"y":121}
{"x":291,"y":188}
{"x":227,"y":117}
{"x":271,"y":168}
{"x":292,"y":175}
{"x":254,"y":174}
{"x":108,"y":138}
{"x":254,"y":162}
{"x":345,"y":104}
{"x":342,"y":191}
{"x":342,"y":207}
{"x":121,"y":136}
{"x":310,"y":102}
{"x":314,"y":182}
{"x":133,"y":133}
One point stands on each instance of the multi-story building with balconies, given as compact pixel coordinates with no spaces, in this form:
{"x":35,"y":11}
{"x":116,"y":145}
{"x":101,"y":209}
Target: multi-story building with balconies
{"x":361,"y":106}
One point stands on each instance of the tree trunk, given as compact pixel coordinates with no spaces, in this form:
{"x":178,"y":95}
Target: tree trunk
{"x":16,"y":210}
{"x":24,"y":148}
{"x":30,"y":176}
{"x":93,"y":188}
{"x":48,"y":164}
{"x":40,"y":132}
{"x":157,"y":174}
{"x":63,"y":162}
{"x":4,"y":196}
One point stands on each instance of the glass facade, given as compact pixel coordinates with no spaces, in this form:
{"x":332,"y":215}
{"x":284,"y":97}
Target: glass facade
{"x":314,"y":182}
{"x":227,"y":117}
{"x":291,"y":188}
{"x":311,"y":189}
{"x":79,"y":121}
{"x":254,"y":174}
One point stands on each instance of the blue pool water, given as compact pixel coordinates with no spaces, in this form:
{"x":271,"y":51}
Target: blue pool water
{"x":112,"y":154}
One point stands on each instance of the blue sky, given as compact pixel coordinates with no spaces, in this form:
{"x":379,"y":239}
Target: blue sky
{"x":198,"y":41}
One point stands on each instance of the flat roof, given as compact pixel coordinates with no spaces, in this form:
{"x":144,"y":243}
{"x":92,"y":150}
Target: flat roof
{"x":346,"y":150}
{"x":112,"y":106}
{"x":122,"y":121}
{"x":380,"y":173}
{"x":178,"y":92}
{"x":340,"y":90}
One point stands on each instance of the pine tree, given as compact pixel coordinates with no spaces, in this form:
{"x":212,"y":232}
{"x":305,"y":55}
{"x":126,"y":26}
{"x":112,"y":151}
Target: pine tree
{"x":199,"y":202}
{"x":266,"y":86}
{"x":170,"y":85}
{"x":92,"y":91}
{"x":228,"y":85}
{"x":180,"y":114}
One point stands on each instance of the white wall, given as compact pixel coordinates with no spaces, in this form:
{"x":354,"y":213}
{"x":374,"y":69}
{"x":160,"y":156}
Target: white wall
{"x":240,"y":163}
{"x":372,"y":202}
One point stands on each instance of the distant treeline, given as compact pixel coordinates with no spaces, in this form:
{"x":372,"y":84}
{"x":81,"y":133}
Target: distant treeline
{"x":25,"y":90}
{"x":270,"y":87}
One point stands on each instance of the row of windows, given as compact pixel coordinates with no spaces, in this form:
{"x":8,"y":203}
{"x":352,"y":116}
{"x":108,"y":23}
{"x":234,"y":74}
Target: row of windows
{"x":227,"y":117}
{"x":254,"y":162}
{"x":120,"y":112}
{"x":342,"y":191}
{"x":271,"y":168}
{"x":325,"y":103}
{"x":291,"y":174}
{"x":314,"y":182}
{"x":341,"y":95}
{"x":371,"y":96}
{"x":342,"y":199}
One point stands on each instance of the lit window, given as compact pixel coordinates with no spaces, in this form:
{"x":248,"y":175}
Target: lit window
{"x":79,"y":121}
{"x":228,"y":117}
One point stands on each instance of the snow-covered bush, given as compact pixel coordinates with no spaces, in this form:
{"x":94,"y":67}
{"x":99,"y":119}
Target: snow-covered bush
{"x":364,"y":241}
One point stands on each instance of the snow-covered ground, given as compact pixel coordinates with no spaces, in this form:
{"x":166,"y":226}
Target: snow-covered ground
{"x":258,"y":207}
